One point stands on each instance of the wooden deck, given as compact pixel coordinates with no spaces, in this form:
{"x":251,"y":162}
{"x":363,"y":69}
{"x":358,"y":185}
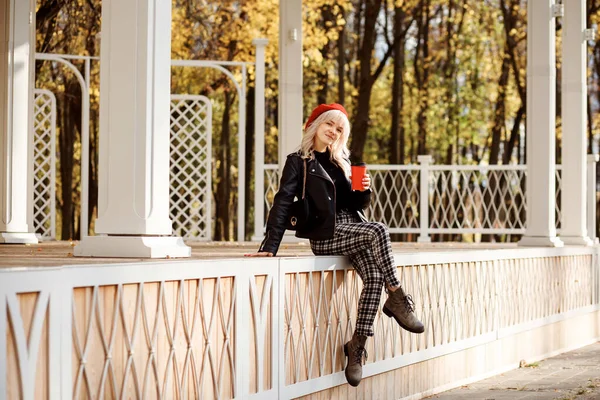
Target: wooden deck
{"x":56,"y":254}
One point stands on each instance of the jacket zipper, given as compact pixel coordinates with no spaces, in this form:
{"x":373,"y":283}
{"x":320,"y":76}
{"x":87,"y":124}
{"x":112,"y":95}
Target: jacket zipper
{"x":328,"y":179}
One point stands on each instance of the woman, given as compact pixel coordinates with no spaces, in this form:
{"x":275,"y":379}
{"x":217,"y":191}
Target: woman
{"x":338,"y":226}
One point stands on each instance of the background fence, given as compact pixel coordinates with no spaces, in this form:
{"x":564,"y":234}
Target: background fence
{"x":426,"y":199}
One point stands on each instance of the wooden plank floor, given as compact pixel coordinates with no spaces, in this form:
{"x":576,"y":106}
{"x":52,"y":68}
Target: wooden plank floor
{"x":55,"y":254}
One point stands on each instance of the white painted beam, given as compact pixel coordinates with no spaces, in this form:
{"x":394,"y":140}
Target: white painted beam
{"x":133,"y":204}
{"x":541,"y":103}
{"x":574,"y":112}
{"x":16,"y":92}
{"x":290,"y":78}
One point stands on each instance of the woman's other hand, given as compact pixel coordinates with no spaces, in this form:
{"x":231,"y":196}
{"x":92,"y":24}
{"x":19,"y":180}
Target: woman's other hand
{"x":259,"y":254}
{"x":366,"y":181}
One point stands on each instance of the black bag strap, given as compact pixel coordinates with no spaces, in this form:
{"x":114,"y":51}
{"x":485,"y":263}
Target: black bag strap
{"x":304,"y":183}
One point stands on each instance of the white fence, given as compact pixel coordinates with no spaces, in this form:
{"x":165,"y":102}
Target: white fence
{"x":447,"y":199}
{"x":264,"y":328}
{"x":44,"y":164}
{"x":191,"y":116}
{"x":191,"y":167}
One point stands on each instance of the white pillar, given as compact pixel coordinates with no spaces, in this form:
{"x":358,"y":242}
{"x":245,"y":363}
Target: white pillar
{"x":424,"y":162}
{"x":290,"y":78}
{"x":541,"y":103}
{"x":133,"y":204}
{"x":16,"y":92}
{"x":574,"y":113}
{"x":259,"y":139}
{"x":592,"y":160}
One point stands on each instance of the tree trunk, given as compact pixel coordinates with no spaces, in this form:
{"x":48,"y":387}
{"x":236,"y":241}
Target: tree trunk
{"x":422,"y":69}
{"x":514,"y":135}
{"x":323,"y":73}
{"x":93,"y":26}
{"x":499,"y":111}
{"x":341,"y":45}
{"x":365,"y":84}
{"x":397,"y":129}
{"x":454,"y":26}
{"x":222,"y":227}
{"x":250,"y":135}
{"x":360,"y":6}
{"x":70,"y":127}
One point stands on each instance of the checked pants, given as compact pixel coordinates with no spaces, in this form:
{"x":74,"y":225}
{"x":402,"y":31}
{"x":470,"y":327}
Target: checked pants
{"x":368,"y":246}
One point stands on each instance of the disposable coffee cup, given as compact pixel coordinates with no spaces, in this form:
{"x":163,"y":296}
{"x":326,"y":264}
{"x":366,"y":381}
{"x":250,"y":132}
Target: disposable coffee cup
{"x":358,"y":172}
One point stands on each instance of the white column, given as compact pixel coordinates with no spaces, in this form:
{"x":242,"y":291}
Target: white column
{"x":290,"y":78}
{"x":259,"y":139}
{"x":574,"y":113}
{"x":592,"y":160}
{"x":541,"y":103}
{"x":16,"y":92}
{"x":133,"y":204}
{"x":424,"y":162}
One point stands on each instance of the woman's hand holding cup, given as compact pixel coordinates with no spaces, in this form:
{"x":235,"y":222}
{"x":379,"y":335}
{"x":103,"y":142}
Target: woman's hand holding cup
{"x":366,"y":181}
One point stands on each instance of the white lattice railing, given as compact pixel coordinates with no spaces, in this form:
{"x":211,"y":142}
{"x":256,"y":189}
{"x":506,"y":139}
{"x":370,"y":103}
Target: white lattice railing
{"x":448,"y":199}
{"x":265,"y":328}
{"x":44,"y":164}
{"x":476,"y":199}
{"x":191,"y":167}
{"x":469,"y":302}
{"x":190,"y":173}
{"x":192,"y":219}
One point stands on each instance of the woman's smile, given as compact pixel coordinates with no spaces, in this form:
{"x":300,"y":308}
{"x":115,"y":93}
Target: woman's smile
{"x":327,"y":134}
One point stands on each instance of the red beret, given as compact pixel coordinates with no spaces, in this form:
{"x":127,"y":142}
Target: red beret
{"x":321,"y":108}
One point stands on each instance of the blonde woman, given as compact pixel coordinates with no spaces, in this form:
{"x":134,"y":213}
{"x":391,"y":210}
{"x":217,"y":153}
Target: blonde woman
{"x":337,"y":226}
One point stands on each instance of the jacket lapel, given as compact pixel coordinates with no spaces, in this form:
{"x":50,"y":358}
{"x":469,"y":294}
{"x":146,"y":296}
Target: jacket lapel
{"x":314,"y":168}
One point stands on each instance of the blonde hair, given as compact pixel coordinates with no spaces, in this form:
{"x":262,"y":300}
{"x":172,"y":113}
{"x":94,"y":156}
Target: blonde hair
{"x":338,"y":150}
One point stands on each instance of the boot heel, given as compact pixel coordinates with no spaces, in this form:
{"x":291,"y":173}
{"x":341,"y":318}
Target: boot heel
{"x":346,"y":349}
{"x":387,"y":312}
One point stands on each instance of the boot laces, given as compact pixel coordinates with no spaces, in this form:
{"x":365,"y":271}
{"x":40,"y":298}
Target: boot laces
{"x":358,"y":355}
{"x":409,"y":303}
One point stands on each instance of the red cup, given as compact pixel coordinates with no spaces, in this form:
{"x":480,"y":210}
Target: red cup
{"x":358,"y":173}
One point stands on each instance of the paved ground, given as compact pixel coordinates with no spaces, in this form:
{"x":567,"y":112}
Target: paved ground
{"x":569,"y":376}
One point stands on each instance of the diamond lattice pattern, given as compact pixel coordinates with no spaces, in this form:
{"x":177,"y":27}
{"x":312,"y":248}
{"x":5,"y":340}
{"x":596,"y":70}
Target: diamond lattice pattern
{"x":558,"y":182}
{"x":191,"y":155}
{"x":271,"y":187}
{"x":395,"y":201}
{"x":458,"y":199}
{"x":477,"y":199}
{"x":540,"y":287}
{"x":455,"y":301}
{"x":160,"y":340}
{"x":44,"y":156}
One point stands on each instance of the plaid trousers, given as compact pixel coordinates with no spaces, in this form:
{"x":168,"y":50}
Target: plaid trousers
{"x":368,"y":246}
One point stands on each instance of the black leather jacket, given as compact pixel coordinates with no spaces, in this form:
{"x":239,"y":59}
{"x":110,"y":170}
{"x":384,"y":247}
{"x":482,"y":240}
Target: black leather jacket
{"x":321,"y":193}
